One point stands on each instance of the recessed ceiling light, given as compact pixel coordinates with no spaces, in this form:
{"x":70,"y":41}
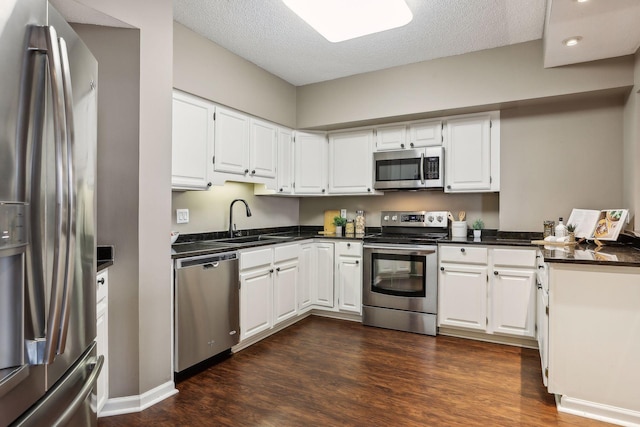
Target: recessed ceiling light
{"x":339,"y":20}
{"x":572,"y":41}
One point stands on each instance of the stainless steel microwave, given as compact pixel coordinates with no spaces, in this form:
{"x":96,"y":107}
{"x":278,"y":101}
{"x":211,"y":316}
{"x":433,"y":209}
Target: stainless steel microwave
{"x":416,"y":169}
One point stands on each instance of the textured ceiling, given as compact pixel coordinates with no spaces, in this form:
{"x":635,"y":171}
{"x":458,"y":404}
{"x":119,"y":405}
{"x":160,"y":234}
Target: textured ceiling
{"x":268,"y":34}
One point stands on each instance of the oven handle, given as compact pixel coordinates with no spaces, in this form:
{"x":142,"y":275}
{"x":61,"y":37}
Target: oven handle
{"x":431,"y":249}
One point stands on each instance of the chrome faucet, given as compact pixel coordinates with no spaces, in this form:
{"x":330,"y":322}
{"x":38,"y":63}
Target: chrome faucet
{"x":231,"y":224}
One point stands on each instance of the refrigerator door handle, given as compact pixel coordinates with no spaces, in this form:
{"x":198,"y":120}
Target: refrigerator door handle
{"x":45,"y":40}
{"x":66,"y":416}
{"x":70,"y":208}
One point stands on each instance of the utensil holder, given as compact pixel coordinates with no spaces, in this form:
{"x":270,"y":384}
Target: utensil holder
{"x":459,"y":229}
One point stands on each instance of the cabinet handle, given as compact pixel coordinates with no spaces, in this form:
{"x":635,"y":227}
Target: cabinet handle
{"x":441,"y":268}
{"x":253,"y":172}
{"x":271,"y":271}
{"x":357,"y":262}
{"x":323,"y":190}
{"x":401,"y":145}
{"x":448,"y":187}
{"x":541,"y":266}
{"x":368,"y":190}
{"x":209,"y":184}
{"x":495,"y":273}
{"x":462,"y":250}
{"x":411,"y":145}
{"x":101,"y":281}
{"x":246,"y":171}
{"x":278,"y":269}
{"x":348,"y":245}
{"x":281,"y":190}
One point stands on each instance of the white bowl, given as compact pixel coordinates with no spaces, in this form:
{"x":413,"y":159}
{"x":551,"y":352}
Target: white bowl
{"x":174,"y":236}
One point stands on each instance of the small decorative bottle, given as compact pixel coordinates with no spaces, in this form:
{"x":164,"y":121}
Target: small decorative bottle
{"x":561,"y":230}
{"x":360,"y":223}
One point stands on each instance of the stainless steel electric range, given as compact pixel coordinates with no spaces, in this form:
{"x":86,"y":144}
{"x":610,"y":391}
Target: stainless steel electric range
{"x":400,"y":276}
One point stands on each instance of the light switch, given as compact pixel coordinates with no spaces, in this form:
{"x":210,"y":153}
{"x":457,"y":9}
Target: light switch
{"x":182,"y":216}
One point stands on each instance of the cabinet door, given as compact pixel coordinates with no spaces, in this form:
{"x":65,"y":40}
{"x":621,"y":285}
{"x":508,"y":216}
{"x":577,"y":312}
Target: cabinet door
{"x":311,"y":163}
{"x":284,"y":291}
{"x":231,"y":142}
{"x":462,"y":297}
{"x":323,"y":292}
{"x":284,"y":170}
{"x":255,"y":302}
{"x":192,"y":142}
{"x":468,"y":154}
{"x":351,"y":162}
{"x":263,"y":149}
{"x":513,"y":306}
{"x":102,"y":349}
{"x":349,"y":283}
{"x":391,"y":137}
{"x":425,"y":134}
{"x":542,"y":321}
{"x":308,"y":278}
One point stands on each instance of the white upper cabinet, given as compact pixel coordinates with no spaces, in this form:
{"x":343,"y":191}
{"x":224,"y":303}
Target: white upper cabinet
{"x":231,"y":142}
{"x":408,"y":135}
{"x":192,"y":142}
{"x":472,"y":153}
{"x":393,"y":137}
{"x":351,"y":162}
{"x":285,"y":161}
{"x":245,"y":148}
{"x":263,"y":149}
{"x":311,"y":154}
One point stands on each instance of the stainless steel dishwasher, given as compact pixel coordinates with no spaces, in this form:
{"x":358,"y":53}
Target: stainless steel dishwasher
{"x":207,"y":320}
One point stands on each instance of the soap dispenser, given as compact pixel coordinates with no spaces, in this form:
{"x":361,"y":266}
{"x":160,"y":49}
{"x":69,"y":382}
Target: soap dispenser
{"x":561,"y":229}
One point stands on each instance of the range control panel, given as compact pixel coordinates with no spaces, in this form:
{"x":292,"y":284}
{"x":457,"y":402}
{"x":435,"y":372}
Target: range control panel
{"x":414,"y":219}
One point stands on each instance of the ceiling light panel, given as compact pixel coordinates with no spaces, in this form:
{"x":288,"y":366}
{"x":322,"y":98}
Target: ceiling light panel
{"x":340,"y":20}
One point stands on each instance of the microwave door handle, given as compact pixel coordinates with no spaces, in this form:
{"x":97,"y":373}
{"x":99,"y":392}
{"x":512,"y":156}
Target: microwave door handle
{"x":422,"y":168}
{"x":70,"y":189}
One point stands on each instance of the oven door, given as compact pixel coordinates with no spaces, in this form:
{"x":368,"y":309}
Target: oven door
{"x":401,"y":277}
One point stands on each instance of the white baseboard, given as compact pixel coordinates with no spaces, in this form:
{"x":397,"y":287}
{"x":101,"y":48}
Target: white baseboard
{"x":598,"y":411}
{"x":137,"y":403}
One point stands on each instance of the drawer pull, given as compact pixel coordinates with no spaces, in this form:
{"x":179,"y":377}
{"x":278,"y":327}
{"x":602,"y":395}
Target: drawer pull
{"x":462,"y":250}
{"x":441,"y":268}
{"x":495,"y":273}
{"x":101,"y":281}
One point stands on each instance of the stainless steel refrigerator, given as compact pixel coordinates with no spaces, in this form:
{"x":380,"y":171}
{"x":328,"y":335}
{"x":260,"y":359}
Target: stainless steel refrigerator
{"x":48,"y":128}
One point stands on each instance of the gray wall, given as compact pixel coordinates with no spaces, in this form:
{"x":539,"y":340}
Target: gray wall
{"x":203,"y":68}
{"x":118,"y":135}
{"x":145,"y":360}
{"x":632,"y":149}
{"x":479,"y":80}
{"x":209,"y":210}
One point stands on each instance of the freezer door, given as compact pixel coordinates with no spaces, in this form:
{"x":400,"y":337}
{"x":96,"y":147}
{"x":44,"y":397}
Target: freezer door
{"x":72,"y":400}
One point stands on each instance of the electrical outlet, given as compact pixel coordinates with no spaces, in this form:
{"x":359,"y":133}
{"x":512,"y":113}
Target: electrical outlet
{"x":343,"y":213}
{"x":182,"y":216}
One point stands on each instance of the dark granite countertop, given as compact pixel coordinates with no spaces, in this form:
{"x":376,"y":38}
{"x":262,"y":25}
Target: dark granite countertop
{"x":104,"y":257}
{"x":625,"y":252}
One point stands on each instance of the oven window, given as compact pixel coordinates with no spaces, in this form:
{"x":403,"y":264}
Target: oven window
{"x":398,"y":170}
{"x":400,"y":275}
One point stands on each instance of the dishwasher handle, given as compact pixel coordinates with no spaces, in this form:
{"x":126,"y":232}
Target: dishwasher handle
{"x":206,"y":261}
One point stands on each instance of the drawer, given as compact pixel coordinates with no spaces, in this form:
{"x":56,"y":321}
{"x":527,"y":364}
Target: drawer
{"x":102,"y":280}
{"x":255,"y":258}
{"x":349,"y":248}
{"x":514,"y":257}
{"x":286,"y":252}
{"x":464,"y":254}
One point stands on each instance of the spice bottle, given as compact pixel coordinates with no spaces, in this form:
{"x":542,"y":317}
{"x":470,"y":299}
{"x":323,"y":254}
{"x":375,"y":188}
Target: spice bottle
{"x":561,"y":229}
{"x":360,"y":223}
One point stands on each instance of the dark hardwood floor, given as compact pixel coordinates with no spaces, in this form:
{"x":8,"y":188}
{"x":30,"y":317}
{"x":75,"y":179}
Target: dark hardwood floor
{"x":326,"y":372}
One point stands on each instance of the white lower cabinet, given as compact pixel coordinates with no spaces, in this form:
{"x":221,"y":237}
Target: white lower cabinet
{"x":315,"y":287}
{"x":268,"y":287}
{"x":348,"y":276}
{"x":102,"y":336}
{"x":462,"y":296}
{"x":491,"y":290}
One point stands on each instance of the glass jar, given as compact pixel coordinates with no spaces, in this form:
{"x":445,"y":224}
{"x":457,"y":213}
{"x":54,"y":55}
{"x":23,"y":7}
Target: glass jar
{"x":549,"y":227}
{"x":349,"y":228}
{"x":360,"y":223}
